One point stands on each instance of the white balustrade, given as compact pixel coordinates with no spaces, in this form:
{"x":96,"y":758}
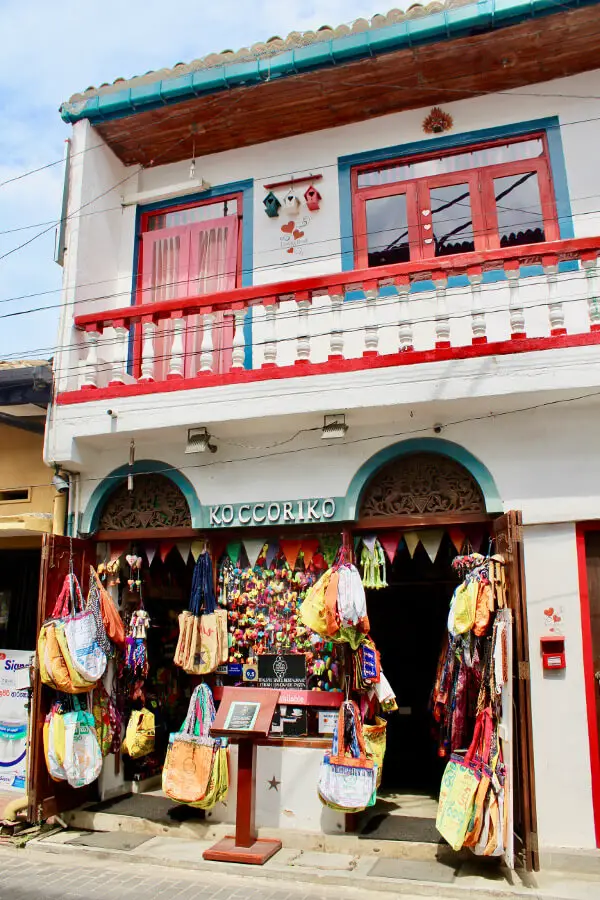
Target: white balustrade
{"x":372,"y":325}
{"x":442,"y":321}
{"x":239,"y":344}
{"x":270,"y":352}
{"x":177,"y":354}
{"x":120,"y":354}
{"x":147,"y":367}
{"x":207,"y":346}
{"x":478,"y":324}
{"x":516,"y":313}
{"x":90,"y":368}
{"x":590,"y":267}
{"x":336,"y":339}
{"x":556,"y":313}
{"x":405,"y":332}
{"x":303,"y":341}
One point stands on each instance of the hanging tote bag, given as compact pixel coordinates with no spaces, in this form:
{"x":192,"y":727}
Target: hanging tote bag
{"x":81,"y":630}
{"x":79,"y":684}
{"x":54,"y":743}
{"x":41,"y":655}
{"x":347,"y":780}
{"x":104,"y":718}
{"x":111,"y":618}
{"x":486,"y":770}
{"x":459,"y":788}
{"x":140,"y":734}
{"x":375,"y":743}
{"x":204,"y":647}
{"x":190,"y":757}
{"x":222,"y":637}
{"x":312,"y":610}
{"x":463,"y":607}
{"x":83,"y":759}
{"x":182,"y":651}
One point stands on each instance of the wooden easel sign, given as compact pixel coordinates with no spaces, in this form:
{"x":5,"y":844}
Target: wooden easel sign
{"x":244,"y":716}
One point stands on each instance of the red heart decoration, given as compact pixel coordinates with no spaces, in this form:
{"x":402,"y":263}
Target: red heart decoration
{"x":291,"y":250}
{"x":549,"y":611}
{"x":556,"y":618}
{"x":287,"y":229}
{"x":298,"y":234}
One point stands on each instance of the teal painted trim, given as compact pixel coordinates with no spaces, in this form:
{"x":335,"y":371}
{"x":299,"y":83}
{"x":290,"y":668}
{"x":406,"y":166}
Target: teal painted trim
{"x":558,"y":170}
{"x":246,"y":188}
{"x":493,"y":503}
{"x":485,"y":15}
{"x":91,"y":515}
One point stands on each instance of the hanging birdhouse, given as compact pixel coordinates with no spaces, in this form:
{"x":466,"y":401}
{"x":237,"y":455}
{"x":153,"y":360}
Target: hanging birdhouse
{"x":272,"y":205}
{"x":312,"y":197}
{"x":291,"y":203}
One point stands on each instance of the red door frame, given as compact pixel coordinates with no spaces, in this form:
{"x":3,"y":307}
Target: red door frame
{"x":488,"y":238}
{"x":588,"y":668}
{"x":144,"y":218}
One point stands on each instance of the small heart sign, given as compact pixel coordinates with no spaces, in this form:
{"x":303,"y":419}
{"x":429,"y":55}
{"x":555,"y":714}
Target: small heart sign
{"x":549,"y":611}
{"x":298,"y":234}
{"x":288,"y":228}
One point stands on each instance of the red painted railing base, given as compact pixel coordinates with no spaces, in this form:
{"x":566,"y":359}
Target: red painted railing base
{"x":271,"y":372}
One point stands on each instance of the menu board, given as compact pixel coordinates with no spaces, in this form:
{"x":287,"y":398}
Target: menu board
{"x":242,"y":716}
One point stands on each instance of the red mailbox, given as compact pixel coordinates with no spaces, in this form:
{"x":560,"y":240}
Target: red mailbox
{"x":553,"y":651}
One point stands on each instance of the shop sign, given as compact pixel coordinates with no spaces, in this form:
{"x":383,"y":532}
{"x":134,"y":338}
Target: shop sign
{"x":276,"y":512}
{"x":282,"y":671}
{"x":14,"y":699}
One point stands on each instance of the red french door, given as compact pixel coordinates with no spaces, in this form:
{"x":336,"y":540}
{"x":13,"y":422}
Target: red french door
{"x":188,"y":261}
{"x":469,"y":205}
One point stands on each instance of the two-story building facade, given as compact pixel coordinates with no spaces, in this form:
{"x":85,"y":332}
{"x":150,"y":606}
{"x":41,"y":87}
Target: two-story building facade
{"x":393,"y":227}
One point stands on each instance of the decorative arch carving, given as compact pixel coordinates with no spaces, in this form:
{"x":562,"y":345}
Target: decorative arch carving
{"x":154,"y":502}
{"x":422,"y":484}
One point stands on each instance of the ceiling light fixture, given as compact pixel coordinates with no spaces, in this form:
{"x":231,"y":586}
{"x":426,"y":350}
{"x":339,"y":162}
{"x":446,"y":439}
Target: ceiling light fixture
{"x":334,"y":427}
{"x":198,"y":441}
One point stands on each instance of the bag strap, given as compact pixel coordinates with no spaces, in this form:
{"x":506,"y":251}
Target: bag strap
{"x":202,"y":597}
{"x":69,"y":599}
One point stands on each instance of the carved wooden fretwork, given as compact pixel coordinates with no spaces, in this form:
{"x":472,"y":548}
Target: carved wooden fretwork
{"x":154,"y":502}
{"x":425,"y":484}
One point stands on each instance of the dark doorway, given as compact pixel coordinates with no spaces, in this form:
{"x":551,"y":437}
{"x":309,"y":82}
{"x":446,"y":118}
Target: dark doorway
{"x":408,"y":623}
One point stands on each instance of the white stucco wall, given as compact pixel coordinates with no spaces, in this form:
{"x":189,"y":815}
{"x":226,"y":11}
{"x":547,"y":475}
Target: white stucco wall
{"x":560,"y":732}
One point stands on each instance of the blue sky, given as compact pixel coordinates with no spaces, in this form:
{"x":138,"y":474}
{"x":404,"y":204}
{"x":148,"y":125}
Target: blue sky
{"x":52,"y":50}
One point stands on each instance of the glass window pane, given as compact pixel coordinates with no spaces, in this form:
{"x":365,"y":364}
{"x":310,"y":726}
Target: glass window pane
{"x":202,"y":213}
{"x":451,"y":220}
{"x":519,"y":210}
{"x":456,"y":162}
{"x":387,"y":230}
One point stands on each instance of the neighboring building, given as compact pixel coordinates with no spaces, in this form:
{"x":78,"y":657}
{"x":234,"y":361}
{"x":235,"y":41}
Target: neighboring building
{"x":291,"y":232}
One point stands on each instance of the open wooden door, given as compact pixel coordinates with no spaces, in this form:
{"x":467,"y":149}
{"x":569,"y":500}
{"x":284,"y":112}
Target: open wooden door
{"x":508,"y":531}
{"x":48,"y":797}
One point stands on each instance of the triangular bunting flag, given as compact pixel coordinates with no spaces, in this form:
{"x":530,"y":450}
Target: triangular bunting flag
{"x":309,"y":548}
{"x":457,"y":536}
{"x":165,"y":549}
{"x":330,"y":544}
{"x":412,"y":541}
{"x":253,"y":546}
{"x":150,"y":552}
{"x":369,"y":541}
{"x":431,"y":540}
{"x":184,"y":548}
{"x":290,"y":550}
{"x":477,"y":535}
{"x":389,"y":540}
{"x":117,"y":549}
{"x":233,"y":551}
{"x":197,"y":548}
{"x":272,"y":551}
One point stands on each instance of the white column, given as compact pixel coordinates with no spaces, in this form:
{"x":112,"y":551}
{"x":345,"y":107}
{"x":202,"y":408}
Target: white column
{"x":515,"y":310}
{"x":270,"y":353}
{"x":405,"y":334}
{"x":239,"y":343}
{"x":590,"y":267}
{"x":206,"y":348}
{"x":303,"y":340}
{"x":120,"y":353}
{"x":478,"y":328}
{"x":556,"y":313}
{"x":147,"y":368}
{"x":176,"y":359}
{"x":336,"y":338}
{"x":442,"y":322}
{"x":372,"y":326}
{"x":90,"y":368}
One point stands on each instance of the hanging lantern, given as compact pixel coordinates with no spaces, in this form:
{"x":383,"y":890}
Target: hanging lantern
{"x":312,"y":197}
{"x":272,"y":205}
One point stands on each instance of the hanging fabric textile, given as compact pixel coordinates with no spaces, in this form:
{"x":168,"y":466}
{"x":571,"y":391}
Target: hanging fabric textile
{"x":373,"y":566}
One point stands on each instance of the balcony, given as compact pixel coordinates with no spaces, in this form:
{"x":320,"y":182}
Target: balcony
{"x":493,"y":303}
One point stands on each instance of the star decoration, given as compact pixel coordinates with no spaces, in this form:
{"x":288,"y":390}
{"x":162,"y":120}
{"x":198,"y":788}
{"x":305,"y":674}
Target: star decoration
{"x":273,"y":784}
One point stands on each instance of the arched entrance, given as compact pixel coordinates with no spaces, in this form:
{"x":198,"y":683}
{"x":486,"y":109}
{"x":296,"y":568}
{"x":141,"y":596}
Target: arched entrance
{"x":154,"y":502}
{"x":423,"y":506}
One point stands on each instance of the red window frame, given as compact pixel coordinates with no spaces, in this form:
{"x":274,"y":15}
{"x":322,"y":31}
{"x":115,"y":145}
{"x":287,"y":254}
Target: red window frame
{"x":143,"y":228}
{"x":481,"y":184}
